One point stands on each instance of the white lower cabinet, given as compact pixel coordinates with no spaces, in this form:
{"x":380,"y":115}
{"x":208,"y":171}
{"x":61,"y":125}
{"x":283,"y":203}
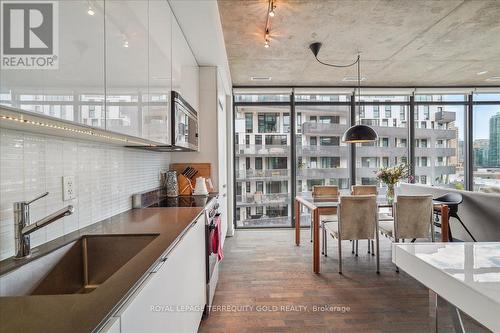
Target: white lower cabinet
{"x":173,"y":296}
{"x":112,"y":326}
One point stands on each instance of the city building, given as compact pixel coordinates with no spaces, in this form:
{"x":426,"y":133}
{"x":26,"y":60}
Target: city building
{"x":481,"y":152}
{"x":263,"y":150}
{"x":494,"y":147}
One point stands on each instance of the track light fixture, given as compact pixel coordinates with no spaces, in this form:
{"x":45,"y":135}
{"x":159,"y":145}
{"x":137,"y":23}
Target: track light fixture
{"x":91,"y":10}
{"x":270,"y":14}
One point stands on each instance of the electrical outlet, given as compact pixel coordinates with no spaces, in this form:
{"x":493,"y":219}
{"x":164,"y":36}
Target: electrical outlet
{"x":160,"y":171}
{"x":68,"y":188}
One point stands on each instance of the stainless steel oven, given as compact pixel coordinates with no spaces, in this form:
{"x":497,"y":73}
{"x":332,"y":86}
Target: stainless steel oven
{"x":184,"y":122}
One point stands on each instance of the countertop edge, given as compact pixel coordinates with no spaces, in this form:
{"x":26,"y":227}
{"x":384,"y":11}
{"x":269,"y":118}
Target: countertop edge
{"x":137,"y":285}
{"x":101,"y":318}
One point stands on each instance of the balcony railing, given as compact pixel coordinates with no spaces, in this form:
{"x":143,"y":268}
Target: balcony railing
{"x":435,"y":151}
{"x":445,"y":116}
{"x":436,"y":170}
{"x":265,"y":221}
{"x":334,"y":151}
{"x":419,"y":170}
{"x":420,"y":133}
{"x":322,"y":173}
{"x":366,"y":151}
{"x":309,"y":128}
{"x":273,"y":150}
{"x":259,"y":199}
{"x":264,"y":174}
{"x":423,"y":133}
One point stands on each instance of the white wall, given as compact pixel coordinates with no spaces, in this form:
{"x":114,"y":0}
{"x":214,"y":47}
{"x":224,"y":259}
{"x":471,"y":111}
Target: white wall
{"x":105,"y":178}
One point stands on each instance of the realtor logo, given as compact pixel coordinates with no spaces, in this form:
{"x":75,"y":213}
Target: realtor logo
{"x":29,"y":35}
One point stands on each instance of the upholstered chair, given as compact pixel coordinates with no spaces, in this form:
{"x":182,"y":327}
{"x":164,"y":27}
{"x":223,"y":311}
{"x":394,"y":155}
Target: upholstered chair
{"x":357,"y":219}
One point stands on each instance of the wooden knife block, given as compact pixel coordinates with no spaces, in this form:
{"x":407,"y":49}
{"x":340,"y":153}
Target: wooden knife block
{"x":185,"y":186}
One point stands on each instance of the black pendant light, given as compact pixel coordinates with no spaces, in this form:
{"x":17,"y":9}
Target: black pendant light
{"x":357,"y":133}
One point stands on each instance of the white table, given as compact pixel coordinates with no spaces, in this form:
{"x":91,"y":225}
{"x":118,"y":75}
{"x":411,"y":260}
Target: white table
{"x":467,"y":275}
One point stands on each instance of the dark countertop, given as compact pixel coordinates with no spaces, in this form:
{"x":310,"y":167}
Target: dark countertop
{"x":84,"y":312}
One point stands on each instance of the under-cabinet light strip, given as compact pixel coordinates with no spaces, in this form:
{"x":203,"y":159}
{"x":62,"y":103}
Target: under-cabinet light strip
{"x":74,"y":130}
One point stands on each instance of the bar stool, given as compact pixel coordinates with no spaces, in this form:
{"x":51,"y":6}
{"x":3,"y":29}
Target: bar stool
{"x":452,"y":200}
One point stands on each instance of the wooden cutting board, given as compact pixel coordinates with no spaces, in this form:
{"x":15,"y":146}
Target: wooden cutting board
{"x":204,"y":170}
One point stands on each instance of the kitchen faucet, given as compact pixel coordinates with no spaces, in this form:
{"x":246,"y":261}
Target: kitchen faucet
{"x":23,"y":228}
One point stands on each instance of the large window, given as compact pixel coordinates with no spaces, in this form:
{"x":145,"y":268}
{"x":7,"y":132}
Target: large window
{"x":266,"y":201}
{"x":389,"y":150}
{"x":486,"y":147}
{"x":321,"y":157}
{"x":439,"y":143}
{"x":439,"y":140}
{"x":268,"y":122}
{"x":248,"y":122}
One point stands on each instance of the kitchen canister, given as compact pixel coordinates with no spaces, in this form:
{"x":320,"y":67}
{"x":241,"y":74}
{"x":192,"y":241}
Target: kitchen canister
{"x":171,"y":184}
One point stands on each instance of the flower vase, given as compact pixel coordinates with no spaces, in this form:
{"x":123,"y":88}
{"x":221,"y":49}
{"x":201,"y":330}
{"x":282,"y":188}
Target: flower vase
{"x":390,"y":194}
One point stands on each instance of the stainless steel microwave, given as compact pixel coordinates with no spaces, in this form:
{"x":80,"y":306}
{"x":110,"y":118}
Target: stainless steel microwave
{"x":184,"y":124}
{"x":183,"y":127}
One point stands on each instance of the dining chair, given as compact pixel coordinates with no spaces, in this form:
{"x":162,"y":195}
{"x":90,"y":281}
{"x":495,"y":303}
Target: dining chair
{"x":412,"y":219}
{"x":330,"y":192}
{"x":357,"y":219}
{"x":364,"y":190}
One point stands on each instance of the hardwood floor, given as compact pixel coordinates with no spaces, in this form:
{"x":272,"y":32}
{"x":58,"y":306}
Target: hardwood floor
{"x":266,"y":284}
{"x":265,"y":268}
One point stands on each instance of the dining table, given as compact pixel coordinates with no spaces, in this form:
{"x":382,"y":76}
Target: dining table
{"x":318,"y":204}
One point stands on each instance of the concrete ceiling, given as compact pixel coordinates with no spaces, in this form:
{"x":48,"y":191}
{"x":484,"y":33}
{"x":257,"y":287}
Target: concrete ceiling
{"x":402,"y":42}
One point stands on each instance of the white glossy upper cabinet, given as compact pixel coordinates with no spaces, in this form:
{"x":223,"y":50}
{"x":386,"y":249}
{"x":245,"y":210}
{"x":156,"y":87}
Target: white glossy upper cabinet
{"x":156,"y":115}
{"x":185,"y":71}
{"x":74,"y":90}
{"x":126,"y":36}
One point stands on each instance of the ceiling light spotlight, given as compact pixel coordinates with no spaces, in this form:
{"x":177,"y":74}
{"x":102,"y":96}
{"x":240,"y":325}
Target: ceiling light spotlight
{"x":272,"y":13}
{"x":91,"y":12}
{"x":266,"y":39}
{"x":482,"y":72}
{"x":125,"y":43}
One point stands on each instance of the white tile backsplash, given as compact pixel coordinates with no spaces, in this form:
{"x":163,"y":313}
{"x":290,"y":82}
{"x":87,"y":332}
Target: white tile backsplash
{"x":105,"y":178}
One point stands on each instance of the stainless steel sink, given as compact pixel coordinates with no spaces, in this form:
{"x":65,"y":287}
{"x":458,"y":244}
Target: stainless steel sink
{"x":89,"y":262}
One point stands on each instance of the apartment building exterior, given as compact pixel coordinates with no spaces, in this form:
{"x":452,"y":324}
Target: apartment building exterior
{"x":494,"y":148}
{"x":263,"y":152}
